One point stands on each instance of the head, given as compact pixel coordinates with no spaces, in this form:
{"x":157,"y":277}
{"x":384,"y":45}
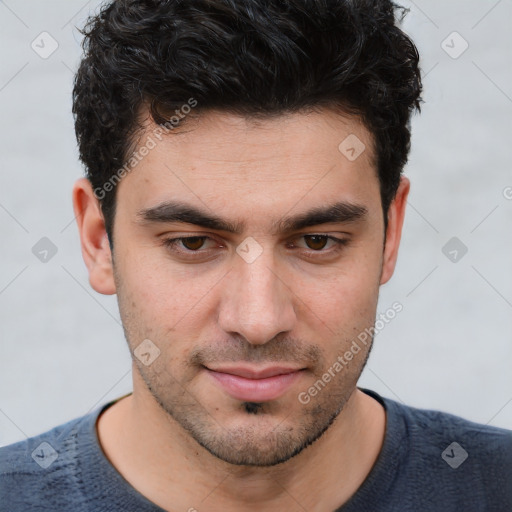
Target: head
{"x":244,"y":199}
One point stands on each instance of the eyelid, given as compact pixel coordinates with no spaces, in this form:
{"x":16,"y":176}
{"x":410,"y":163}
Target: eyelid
{"x":175,"y":240}
{"x":339,"y":244}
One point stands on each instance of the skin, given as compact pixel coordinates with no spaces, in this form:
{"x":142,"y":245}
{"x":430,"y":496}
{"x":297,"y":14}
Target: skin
{"x":180,"y":439}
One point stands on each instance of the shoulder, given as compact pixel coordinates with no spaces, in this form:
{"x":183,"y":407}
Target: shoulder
{"x":42,"y":472}
{"x":451,"y":459}
{"x":432,"y":429}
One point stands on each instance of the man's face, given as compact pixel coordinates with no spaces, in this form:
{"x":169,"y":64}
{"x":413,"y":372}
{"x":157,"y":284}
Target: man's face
{"x":225,"y":307}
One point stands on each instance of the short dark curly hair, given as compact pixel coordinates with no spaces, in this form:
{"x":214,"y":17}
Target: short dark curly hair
{"x":249,"y":57}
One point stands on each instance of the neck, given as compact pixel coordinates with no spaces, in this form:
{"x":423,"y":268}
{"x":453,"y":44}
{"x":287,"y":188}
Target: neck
{"x":159,"y":459}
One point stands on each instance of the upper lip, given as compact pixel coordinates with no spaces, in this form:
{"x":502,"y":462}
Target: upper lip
{"x":255,"y":373}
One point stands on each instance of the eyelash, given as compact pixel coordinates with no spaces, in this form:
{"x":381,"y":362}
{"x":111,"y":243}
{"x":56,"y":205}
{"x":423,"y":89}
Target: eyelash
{"x":340,"y":243}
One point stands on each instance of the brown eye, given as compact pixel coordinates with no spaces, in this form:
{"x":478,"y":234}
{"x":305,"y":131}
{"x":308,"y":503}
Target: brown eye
{"x":316,"y":242}
{"x":190,"y":248}
{"x":193,"y":243}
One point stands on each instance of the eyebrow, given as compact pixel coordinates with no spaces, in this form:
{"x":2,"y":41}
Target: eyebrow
{"x":178,"y":212}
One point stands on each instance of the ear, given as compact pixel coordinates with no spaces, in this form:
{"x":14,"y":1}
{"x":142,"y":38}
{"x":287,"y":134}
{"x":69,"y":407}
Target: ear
{"x":396,"y":214}
{"x":93,"y":238}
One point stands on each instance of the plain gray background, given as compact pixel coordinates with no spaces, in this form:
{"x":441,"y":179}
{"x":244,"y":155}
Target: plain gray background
{"x":62,"y":345}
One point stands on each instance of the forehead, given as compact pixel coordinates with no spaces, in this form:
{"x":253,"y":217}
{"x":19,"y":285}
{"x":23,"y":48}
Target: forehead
{"x":229,"y":162}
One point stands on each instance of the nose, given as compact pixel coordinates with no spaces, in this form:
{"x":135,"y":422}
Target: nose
{"x":257,"y":302}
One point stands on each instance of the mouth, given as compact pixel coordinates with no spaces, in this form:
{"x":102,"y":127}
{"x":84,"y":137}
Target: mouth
{"x":252,"y":384}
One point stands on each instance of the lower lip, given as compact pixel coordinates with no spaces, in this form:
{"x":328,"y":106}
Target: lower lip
{"x":255,"y":390}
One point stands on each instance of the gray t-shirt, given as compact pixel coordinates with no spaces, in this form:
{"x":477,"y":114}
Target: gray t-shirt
{"x":430,"y":461}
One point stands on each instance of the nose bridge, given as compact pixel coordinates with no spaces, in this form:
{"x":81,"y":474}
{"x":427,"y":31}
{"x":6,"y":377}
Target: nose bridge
{"x":258,"y":305}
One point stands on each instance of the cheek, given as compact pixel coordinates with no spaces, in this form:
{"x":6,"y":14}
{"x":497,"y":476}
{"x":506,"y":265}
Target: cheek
{"x":343,"y":302}
{"x":163,"y":298}
{"x":347,"y":305}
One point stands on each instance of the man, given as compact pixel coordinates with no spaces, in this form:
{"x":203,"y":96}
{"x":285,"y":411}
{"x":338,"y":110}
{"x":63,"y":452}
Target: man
{"x":244,"y":200}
